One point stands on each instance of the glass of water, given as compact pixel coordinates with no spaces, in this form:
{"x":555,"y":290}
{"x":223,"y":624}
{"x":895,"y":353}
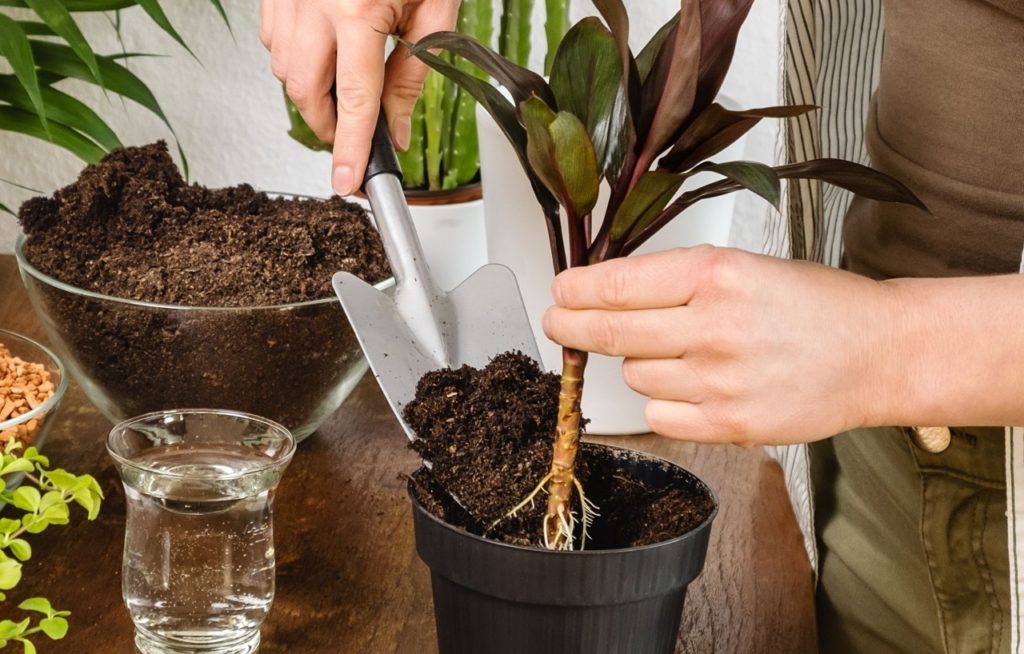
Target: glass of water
{"x":198,"y":570}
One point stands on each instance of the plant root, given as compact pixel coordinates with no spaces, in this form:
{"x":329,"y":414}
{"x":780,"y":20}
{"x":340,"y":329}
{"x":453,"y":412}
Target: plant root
{"x":522,"y":505}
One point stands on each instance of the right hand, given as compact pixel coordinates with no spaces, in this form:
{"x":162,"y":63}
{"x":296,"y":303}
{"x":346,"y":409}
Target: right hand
{"x":317,"y":44}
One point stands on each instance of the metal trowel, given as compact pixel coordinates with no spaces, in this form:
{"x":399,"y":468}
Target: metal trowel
{"x":417,"y":327}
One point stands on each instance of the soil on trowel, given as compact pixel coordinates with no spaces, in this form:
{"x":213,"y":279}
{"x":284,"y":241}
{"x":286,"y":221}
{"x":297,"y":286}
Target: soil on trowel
{"x":132,"y":228}
{"x":487,"y":434}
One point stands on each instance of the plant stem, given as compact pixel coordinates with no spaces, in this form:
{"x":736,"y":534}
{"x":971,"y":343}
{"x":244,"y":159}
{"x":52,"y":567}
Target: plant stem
{"x":563,"y":460}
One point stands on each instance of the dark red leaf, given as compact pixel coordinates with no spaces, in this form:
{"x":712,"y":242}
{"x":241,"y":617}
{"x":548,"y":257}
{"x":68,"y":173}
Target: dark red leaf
{"x":715,"y":129}
{"x":521,"y":82}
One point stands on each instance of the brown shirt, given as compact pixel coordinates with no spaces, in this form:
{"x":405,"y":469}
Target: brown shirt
{"x":948,"y":120}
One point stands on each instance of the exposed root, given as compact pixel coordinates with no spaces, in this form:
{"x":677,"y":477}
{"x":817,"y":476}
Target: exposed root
{"x":589,"y":511}
{"x":522,"y":505}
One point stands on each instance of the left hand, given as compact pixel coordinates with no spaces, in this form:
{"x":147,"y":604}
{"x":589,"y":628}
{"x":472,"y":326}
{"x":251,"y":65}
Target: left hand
{"x":736,"y":347}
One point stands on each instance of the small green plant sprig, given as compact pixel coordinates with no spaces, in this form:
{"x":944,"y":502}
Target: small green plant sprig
{"x":44,"y":496}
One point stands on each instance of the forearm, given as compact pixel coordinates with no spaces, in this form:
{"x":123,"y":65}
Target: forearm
{"x":956,"y":352}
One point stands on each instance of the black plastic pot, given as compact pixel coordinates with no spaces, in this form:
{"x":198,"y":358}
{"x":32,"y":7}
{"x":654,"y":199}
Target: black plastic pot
{"x":494,"y":598}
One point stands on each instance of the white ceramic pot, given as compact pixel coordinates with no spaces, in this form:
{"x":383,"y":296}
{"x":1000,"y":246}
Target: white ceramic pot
{"x":517,"y":237}
{"x":451,"y":229}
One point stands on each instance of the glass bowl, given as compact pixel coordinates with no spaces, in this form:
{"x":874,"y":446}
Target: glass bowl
{"x":44,"y":414}
{"x":293,"y":363}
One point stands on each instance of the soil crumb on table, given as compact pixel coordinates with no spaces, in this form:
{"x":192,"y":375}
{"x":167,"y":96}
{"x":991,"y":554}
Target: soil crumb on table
{"x":488,"y":434}
{"x":131,"y":227}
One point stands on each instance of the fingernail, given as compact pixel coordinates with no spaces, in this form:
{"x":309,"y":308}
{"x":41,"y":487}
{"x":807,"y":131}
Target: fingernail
{"x":401,"y":132}
{"x":344,"y":180}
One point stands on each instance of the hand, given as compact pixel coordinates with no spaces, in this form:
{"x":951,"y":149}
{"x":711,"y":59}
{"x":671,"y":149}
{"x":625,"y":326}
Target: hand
{"x":736,"y":347}
{"x":317,"y":44}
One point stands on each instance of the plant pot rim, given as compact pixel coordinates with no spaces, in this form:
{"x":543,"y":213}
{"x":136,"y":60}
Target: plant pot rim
{"x":459,"y":195}
{"x":539,"y":551}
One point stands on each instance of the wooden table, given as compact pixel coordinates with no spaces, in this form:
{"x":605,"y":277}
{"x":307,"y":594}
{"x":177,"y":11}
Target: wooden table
{"x":349,"y":580}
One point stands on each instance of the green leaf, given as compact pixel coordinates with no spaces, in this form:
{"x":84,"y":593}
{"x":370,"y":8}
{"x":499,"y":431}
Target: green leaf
{"x":156,"y":12}
{"x":9,"y":629}
{"x":53,"y":499}
{"x":652,"y":193}
{"x":10,"y":574}
{"x":32,"y":454}
{"x":57,"y":17}
{"x":503,"y":113}
{"x":21,"y":549}
{"x":61,"y":479}
{"x":85,"y":499}
{"x":715,"y":129}
{"x":15,"y":46}
{"x":59,"y":59}
{"x":521,"y":82}
{"x":754,"y":176}
{"x":17,"y":465}
{"x":56,"y":515}
{"x":586,"y":78}
{"x":9,"y":526}
{"x":223,"y":14}
{"x":668,"y":93}
{"x":561,"y":154}
{"x":29,"y":648}
{"x":55,"y":627}
{"x":27,"y":498}
{"x":38,"y":605}
{"x":34,"y":28}
{"x":4,"y":208}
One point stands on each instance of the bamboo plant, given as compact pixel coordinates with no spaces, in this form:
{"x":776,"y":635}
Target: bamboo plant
{"x":443,"y":152}
{"x":43,"y":45}
{"x":643,"y":124}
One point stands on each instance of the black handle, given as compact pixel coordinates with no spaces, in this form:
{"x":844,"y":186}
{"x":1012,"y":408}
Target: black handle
{"x":382,"y":152}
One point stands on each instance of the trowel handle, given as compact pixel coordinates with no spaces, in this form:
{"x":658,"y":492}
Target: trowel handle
{"x":383,"y":186}
{"x":382,"y":153}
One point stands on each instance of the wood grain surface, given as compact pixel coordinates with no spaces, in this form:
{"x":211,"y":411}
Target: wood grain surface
{"x":349,"y":580}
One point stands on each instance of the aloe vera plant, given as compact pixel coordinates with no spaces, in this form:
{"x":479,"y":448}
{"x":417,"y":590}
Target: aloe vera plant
{"x":43,"y":45}
{"x":641,"y":123}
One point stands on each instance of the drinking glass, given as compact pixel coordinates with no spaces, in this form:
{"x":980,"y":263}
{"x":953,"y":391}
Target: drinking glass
{"x":198,"y":567}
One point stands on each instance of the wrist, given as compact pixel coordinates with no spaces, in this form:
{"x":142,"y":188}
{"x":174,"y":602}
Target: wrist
{"x":908,"y":393}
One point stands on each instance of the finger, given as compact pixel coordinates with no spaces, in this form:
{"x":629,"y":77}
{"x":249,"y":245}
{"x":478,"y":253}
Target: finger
{"x":647,"y":333}
{"x":266,"y":22}
{"x":404,"y":75}
{"x":360,"y":71}
{"x":650,"y":281}
{"x":664,"y":379}
{"x":686,"y":421}
{"x":284,"y":35}
{"x":309,"y":80}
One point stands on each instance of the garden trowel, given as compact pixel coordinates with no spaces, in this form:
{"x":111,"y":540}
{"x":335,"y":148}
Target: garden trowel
{"x":417,"y":327}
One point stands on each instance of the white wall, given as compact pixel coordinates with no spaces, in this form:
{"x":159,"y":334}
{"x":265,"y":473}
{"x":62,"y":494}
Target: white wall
{"x":228,"y":113}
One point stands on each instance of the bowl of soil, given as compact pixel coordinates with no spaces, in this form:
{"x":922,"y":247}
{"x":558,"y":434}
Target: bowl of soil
{"x":160,"y":294}
{"x":487,"y":436}
{"x":32,"y":387}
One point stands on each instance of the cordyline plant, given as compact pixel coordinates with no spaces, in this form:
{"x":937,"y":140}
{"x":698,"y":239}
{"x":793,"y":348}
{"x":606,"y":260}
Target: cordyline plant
{"x":643,"y":124}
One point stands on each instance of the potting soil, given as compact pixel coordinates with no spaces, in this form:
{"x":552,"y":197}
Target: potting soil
{"x":488,"y":435}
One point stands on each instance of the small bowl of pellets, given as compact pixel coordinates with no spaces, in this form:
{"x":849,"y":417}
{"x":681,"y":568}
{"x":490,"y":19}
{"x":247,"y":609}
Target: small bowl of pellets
{"x":32,"y":385}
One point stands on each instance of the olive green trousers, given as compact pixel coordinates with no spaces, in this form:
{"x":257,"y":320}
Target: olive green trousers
{"x":912,"y":546}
